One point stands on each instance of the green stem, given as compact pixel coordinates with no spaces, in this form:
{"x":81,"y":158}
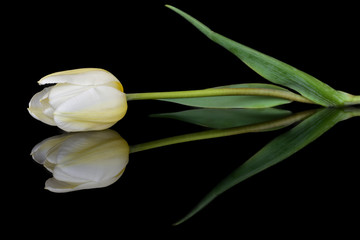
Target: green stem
{"x":220,"y":92}
{"x":275,"y":124}
{"x":354,"y":100}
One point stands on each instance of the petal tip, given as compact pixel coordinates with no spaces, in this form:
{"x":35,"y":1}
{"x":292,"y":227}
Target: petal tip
{"x":81,"y":76}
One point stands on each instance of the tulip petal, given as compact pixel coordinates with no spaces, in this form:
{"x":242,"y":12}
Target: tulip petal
{"x":82,"y":160}
{"x":89,"y":157}
{"x":91,"y":166}
{"x":57,"y":186}
{"x":82,"y":76}
{"x":40,"y":108}
{"x":96,"y":108}
{"x":41,"y":150}
{"x":62,"y":92}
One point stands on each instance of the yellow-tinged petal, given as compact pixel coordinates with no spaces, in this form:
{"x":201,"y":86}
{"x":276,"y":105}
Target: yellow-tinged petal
{"x":39,"y":107}
{"x":83,"y":160}
{"x":82,"y":76}
{"x":83,"y":99}
{"x":97,"y":108}
{"x":41,"y":150}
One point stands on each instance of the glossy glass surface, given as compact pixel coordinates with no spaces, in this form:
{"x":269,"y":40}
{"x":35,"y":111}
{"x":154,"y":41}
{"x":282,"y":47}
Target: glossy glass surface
{"x":161,"y":168}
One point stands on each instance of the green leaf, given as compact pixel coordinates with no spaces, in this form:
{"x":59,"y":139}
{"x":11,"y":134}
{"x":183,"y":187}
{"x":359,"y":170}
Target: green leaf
{"x":226,"y":118}
{"x":274,"y":70}
{"x":234,"y":101}
{"x":274,"y":152}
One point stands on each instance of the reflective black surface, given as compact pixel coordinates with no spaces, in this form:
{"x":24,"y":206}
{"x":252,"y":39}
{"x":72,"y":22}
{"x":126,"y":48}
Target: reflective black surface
{"x":149,"y":48}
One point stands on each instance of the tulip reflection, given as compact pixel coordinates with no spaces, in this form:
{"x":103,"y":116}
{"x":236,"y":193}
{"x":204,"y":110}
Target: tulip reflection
{"x":97,"y":159}
{"x":82,"y":160}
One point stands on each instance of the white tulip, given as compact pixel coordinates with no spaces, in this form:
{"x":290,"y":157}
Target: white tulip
{"x":82,"y":160}
{"x":82,"y":100}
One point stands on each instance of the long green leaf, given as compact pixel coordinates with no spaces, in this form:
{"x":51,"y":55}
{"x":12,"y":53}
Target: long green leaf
{"x":226,"y":118}
{"x":234,"y":101}
{"x":277,"y":150}
{"x":274,"y":70}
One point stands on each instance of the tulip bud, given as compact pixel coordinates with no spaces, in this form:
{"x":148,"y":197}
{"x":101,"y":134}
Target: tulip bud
{"x":82,"y":160}
{"x":82,"y":100}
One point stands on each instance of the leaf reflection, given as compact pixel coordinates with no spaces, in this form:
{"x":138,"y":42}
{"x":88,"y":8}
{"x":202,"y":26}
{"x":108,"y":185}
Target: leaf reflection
{"x":277,"y":150}
{"x":216,"y":133}
{"x":226,"y":118}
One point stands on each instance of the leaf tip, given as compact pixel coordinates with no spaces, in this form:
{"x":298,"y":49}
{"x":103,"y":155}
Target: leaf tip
{"x":177,"y":223}
{"x":168,"y":6}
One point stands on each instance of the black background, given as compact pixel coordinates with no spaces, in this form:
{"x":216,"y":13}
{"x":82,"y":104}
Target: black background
{"x":150,"y":48}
